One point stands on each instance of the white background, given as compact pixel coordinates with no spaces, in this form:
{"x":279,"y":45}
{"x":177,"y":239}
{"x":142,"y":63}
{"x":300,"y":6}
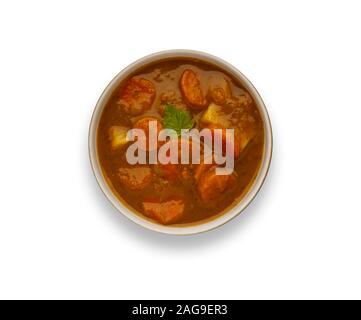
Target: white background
{"x":60,"y":238}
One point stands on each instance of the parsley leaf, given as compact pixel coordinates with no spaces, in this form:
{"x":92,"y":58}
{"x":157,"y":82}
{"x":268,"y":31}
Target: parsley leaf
{"x":177,"y":119}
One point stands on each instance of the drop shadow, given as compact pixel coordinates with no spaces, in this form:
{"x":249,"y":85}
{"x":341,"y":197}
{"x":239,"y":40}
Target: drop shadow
{"x":182,"y":243}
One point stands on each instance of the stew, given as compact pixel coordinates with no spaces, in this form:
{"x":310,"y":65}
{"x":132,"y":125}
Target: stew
{"x":180,"y":94}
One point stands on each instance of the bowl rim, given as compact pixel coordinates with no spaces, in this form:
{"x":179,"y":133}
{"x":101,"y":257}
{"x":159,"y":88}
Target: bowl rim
{"x":198,"y":227}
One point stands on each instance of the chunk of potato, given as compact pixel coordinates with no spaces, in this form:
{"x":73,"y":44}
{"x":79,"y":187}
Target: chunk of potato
{"x":213,"y":118}
{"x":221,"y":132}
{"x":214,"y":115}
{"x":117,"y":137}
{"x":245,"y":131}
{"x":244,"y":138}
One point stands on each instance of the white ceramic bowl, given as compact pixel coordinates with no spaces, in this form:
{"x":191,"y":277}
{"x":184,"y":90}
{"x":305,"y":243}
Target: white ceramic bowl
{"x":209,"y":224}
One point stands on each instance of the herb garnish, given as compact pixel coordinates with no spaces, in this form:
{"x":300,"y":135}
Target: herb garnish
{"x":177,"y":119}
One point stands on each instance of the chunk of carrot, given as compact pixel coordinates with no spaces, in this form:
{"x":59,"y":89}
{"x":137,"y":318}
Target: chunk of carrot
{"x":135,"y":178}
{"x":164,"y":212}
{"x":191,"y":90}
{"x":211,"y":186}
{"x":137,"y":96}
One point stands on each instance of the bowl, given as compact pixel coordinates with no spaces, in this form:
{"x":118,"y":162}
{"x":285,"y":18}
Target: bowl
{"x":200,"y":226}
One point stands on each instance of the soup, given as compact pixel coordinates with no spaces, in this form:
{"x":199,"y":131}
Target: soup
{"x":180,"y":94}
